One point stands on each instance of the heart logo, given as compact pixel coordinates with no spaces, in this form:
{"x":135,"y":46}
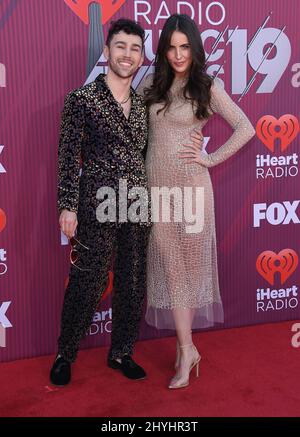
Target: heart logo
{"x":108,"y":8}
{"x":268,"y":128}
{"x":2,"y":220}
{"x":268,"y":263}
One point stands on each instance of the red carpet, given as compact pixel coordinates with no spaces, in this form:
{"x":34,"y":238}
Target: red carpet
{"x":252,"y":371}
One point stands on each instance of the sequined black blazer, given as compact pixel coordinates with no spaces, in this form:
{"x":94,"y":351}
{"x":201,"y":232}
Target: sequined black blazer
{"x":95,"y":131}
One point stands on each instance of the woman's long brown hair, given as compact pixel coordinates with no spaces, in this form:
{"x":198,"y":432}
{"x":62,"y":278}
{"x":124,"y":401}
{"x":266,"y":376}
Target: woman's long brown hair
{"x":197,"y":88}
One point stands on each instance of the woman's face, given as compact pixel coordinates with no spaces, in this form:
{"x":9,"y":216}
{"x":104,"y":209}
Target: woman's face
{"x":179,"y":54}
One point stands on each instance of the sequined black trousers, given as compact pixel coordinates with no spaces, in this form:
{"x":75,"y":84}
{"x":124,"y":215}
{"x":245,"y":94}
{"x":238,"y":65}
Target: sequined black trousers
{"x":129,"y":243}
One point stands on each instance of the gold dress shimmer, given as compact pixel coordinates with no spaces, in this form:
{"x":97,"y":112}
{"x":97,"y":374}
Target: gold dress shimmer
{"x":182,"y":269}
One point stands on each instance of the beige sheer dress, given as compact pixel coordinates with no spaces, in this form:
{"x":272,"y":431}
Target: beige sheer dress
{"x":182,"y":267}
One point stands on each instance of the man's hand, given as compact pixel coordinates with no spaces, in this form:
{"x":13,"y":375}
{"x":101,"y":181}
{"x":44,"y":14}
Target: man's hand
{"x":68,"y":222}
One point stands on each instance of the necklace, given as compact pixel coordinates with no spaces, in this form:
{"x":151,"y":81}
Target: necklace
{"x":122,"y":101}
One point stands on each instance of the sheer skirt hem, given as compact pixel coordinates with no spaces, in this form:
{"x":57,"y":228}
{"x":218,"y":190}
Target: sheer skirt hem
{"x":204,"y":317}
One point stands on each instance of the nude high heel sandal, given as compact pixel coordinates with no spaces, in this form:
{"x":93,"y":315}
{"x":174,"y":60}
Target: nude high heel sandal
{"x":178,"y":354}
{"x":176,"y":383}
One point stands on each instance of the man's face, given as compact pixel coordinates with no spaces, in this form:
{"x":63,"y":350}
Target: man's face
{"x":124,"y":54}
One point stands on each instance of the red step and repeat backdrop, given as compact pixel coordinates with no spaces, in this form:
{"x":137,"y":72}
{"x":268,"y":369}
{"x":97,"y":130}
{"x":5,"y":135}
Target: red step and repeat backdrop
{"x":45,"y":48}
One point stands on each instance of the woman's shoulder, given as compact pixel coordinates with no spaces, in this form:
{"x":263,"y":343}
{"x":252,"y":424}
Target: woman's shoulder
{"x":217,"y":85}
{"x":218,"y":94}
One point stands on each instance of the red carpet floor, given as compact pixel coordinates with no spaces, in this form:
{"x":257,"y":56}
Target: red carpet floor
{"x":252,"y":371}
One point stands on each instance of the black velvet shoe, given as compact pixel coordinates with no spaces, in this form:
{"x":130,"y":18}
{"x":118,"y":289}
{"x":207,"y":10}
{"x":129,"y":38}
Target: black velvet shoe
{"x":60,"y":373}
{"x":128,"y":367}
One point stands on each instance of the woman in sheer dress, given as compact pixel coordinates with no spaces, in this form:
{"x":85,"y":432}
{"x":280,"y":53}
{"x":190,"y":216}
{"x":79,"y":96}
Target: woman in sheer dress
{"x":182,"y":275}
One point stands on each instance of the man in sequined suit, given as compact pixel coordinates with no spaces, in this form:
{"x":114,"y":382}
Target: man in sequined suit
{"x":104,"y":124}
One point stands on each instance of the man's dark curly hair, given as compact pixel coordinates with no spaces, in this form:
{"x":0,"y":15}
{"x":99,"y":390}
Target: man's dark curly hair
{"x":125,"y":25}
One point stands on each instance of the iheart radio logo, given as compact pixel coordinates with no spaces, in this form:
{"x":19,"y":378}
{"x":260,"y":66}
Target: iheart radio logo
{"x":108,"y":8}
{"x":285,"y":262}
{"x":268,"y":128}
{"x":2,"y":220}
